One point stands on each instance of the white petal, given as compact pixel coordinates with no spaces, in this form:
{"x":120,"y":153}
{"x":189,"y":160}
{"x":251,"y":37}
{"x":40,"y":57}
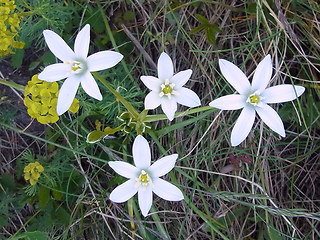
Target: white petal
{"x":234,"y":76}
{"x":152,"y":100}
{"x":103,"y":60}
{"x":262,"y":76}
{"x":271,"y":118}
{"x":124,"y":192}
{"x":81,"y":44}
{"x":124,"y":169}
{"x":67,"y":93}
{"x":229,"y":102}
{"x":54,"y":72}
{"x":187,"y":97}
{"x":90,"y":86}
{"x":163,"y":165}
{"x":145,"y":200}
{"x":181,"y":78}
{"x":282,"y":93}
{"x":243,"y":125}
{"x":141,"y":153}
{"x":169,"y":107}
{"x":152,"y":83}
{"x":58,"y":46}
{"x":166,"y":190}
{"x":165,"y":67}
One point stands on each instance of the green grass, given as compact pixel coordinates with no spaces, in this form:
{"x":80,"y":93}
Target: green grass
{"x":273,"y":197}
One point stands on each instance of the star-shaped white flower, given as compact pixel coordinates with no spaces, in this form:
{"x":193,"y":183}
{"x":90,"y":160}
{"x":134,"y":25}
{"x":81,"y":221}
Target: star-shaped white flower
{"x":144,"y":178}
{"x":167,"y":89}
{"x":254,"y":98}
{"x":76,"y":66}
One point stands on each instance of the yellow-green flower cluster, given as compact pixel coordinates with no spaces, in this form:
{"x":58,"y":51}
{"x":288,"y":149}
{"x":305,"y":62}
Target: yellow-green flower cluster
{"x":9,"y":26}
{"x":32,"y":172}
{"x":40,"y":97}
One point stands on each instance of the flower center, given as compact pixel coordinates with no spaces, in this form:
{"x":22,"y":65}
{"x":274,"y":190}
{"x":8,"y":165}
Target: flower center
{"x":254,"y":99}
{"x":143,"y":179}
{"x":167,"y":89}
{"x":77,"y":67}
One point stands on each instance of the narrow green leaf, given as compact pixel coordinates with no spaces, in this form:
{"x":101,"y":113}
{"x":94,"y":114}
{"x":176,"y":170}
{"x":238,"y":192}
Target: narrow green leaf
{"x":183,"y":123}
{"x":197,"y":29}
{"x":202,"y":19}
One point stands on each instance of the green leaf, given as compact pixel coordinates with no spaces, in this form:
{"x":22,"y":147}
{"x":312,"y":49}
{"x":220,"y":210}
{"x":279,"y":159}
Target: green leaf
{"x":252,"y":8}
{"x":143,"y":115}
{"x":57,"y":195}
{"x":202,"y":19}
{"x":17,"y":58}
{"x":178,"y":125}
{"x":197,"y":29}
{"x":62,"y":216}
{"x":129,"y":16}
{"x":48,"y":58}
{"x":37,"y":235}
{"x":211,"y":33}
{"x":44,"y":195}
{"x":95,"y":136}
{"x":33,"y":65}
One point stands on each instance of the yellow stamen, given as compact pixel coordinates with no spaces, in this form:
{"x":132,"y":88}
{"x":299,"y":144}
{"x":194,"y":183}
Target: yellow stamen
{"x":254,"y":99}
{"x":144,"y":178}
{"x":167,"y":89}
{"x":75,"y":66}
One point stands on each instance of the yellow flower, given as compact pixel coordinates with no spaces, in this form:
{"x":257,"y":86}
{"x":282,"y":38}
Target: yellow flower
{"x":32,"y":172}
{"x":9,"y":26}
{"x":74,"y":106}
{"x":40,"y":97}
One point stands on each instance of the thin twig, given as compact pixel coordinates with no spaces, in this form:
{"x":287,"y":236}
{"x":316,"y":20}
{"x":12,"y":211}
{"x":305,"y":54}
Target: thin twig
{"x":140,"y":48}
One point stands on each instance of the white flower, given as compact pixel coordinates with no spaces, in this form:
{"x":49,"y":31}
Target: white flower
{"x":76,"y":66}
{"x":167,"y":89}
{"x":254,"y":98}
{"x":144,"y":178}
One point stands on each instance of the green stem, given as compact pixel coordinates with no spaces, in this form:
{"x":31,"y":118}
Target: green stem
{"x":13,"y":236}
{"x":154,"y":118}
{"x":30,"y":13}
{"x":13,"y":85}
{"x":128,"y":106}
